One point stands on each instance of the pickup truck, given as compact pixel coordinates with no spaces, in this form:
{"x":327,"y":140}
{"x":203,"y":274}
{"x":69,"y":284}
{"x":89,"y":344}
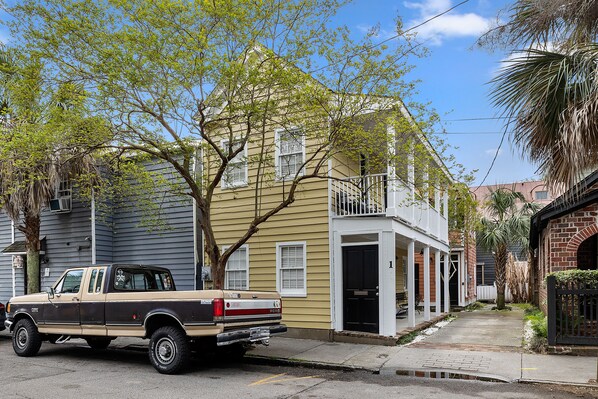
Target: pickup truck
{"x":100,"y":303}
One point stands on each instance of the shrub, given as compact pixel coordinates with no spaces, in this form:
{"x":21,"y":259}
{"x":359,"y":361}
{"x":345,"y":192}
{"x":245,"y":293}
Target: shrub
{"x":589,"y":278}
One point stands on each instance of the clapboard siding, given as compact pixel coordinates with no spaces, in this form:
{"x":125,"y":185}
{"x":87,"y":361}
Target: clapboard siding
{"x":486,"y":257}
{"x":68,"y":241}
{"x":5,"y":260}
{"x":170,"y":246}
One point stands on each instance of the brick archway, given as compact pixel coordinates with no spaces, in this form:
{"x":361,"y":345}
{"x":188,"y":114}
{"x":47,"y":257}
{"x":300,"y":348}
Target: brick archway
{"x":580,"y":237}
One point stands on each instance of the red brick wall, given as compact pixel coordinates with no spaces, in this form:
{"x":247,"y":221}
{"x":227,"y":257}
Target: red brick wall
{"x":567,"y":233}
{"x":470,"y":259}
{"x":560,"y":242}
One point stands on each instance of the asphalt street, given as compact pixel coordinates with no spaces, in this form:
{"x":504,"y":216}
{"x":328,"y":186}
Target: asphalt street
{"x":74,"y":370}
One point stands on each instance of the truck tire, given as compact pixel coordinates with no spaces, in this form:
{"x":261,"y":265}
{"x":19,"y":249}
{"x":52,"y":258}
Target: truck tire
{"x":169,"y":350}
{"x":26,"y":340}
{"x":98,"y":343}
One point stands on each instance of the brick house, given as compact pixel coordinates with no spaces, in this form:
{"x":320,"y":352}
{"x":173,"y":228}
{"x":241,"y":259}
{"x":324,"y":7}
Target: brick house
{"x":564,"y":234}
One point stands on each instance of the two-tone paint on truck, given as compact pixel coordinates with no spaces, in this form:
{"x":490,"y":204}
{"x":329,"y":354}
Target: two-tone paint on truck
{"x":100,"y":303}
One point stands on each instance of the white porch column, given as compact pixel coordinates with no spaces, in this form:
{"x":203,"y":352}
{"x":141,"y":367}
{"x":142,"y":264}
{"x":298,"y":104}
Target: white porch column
{"x":411,"y":181}
{"x":446,"y":284}
{"x":391,"y":175}
{"x":411,"y":283}
{"x":387,"y":285}
{"x":426,"y":283}
{"x":437,"y":281}
{"x":445,"y":204}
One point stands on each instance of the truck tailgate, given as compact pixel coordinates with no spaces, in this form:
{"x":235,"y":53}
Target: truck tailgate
{"x":250,"y":317}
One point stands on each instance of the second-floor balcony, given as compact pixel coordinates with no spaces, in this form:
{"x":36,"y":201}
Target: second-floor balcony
{"x":377,"y":195}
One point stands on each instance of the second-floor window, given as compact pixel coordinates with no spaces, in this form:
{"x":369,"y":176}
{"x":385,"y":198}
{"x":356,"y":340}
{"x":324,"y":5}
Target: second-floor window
{"x":290,"y":153}
{"x":237,"y":270}
{"x":541,"y":195}
{"x":236,"y":171}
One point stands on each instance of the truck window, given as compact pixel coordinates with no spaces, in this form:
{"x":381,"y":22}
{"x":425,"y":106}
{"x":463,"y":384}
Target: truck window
{"x":99,"y":281}
{"x":92,"y":281}
{"x":142,"y":280}
{"x":70,"y":283}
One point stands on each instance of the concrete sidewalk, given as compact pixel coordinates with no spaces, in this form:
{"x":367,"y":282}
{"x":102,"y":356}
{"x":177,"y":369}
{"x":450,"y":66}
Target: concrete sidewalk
{"x":483,"y":343}
{"x":504,"y":366}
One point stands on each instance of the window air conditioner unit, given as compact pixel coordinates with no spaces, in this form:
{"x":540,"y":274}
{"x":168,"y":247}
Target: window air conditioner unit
{"x":60,"y":205}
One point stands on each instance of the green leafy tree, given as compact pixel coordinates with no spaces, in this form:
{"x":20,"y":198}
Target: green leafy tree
{"x":506,"y":222}
{"x":188,"y":80}
{"x":548,"y":88}
{"x":42,"y":135}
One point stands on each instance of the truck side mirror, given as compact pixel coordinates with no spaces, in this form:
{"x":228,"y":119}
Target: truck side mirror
{"x":50,"y":292}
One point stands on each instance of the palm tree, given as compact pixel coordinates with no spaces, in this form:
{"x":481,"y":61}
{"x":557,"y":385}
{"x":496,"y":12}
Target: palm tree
{"x":548,"y":89}
{"x":40,"y":147}
{"x":506,"y":224}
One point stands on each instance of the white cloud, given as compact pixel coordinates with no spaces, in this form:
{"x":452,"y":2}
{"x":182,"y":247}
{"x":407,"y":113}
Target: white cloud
{"x":451,"y":25}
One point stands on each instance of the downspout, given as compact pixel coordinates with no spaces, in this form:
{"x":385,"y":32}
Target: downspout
{"x":198,"y":249}
{"x":14,"y":276}
{"x":93,"y":228}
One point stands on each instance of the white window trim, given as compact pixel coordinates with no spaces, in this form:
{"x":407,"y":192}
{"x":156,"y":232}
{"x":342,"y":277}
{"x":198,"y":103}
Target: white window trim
{"x":277,"y":134}
{"x":224,"y":184}
{"x":246,"y":247}
{"x":296,"y":293}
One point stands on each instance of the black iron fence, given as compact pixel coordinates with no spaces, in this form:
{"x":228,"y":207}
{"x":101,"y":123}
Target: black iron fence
{"x":572,"y":313}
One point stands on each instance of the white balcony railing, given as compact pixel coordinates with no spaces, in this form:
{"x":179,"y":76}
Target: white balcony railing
{"x":371,"y":195}
{"x":362,"y":195}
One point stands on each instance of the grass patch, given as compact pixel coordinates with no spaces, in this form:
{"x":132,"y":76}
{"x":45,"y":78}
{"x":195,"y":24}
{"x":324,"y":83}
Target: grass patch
{"x":407,"y":338}
{"x":474,"y":306}
{"x":537,"y":323}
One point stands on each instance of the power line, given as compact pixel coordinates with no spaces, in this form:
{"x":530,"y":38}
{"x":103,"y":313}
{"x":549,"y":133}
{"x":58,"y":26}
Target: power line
{"x":493,"y":161}
{"x":394,"y":36}
{"x":477,"y":119}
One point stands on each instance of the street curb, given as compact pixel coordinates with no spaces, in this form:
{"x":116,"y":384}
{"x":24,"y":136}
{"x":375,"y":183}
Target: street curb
{"x":558,"y":383}
{"x":277,"y":361}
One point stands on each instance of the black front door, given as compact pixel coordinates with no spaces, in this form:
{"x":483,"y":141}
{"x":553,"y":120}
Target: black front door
{"x":360,"y":287}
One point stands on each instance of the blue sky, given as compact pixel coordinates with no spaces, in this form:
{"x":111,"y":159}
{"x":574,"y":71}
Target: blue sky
{"x":454,"y":76}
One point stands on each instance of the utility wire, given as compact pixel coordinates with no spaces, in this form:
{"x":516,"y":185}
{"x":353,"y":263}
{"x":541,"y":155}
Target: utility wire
{"x":493,"y":161}
{"x":394,"y":36}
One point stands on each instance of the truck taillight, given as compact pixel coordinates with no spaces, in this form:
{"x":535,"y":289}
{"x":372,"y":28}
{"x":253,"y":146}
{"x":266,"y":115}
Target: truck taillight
{"x":218,"y":308}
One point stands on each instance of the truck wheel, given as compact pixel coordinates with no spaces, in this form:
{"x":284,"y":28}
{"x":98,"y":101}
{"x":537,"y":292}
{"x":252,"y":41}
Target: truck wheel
{"x":169,"y":350}
{"x":26,"y":340}
{"x":98,"y":343}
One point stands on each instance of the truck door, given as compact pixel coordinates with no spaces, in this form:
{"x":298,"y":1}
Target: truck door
{"x":93,"y":303}
{"x":62,"y":311}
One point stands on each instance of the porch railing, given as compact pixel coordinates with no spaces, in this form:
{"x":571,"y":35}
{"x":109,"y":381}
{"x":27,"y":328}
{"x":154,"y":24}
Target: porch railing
{"x":572,"y":313}
{"x":371,"y":195}
{"x":362,"y":195}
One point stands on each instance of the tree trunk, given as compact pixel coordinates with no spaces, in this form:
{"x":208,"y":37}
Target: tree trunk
{"x":31,"y":230}
{"x":33,"y":280}
{"x":500,"y":264}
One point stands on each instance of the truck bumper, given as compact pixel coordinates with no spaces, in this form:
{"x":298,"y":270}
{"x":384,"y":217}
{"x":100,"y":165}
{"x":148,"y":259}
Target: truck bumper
{"x":8,"y":324}
{"x":250,"y":335}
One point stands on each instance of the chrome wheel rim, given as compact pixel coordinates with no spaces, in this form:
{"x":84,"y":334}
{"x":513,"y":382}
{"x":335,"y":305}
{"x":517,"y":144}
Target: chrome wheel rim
{"x":165,"y":350}
{"x":22,"y":336}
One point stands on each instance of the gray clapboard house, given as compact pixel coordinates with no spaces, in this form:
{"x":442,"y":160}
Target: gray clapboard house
{"x":76,"y":235}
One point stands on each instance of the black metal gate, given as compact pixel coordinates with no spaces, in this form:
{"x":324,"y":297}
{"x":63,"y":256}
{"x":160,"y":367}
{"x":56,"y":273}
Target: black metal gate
{"x":572,"y":313}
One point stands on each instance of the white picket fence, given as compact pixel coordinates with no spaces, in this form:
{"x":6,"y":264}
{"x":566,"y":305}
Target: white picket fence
{"x":488,"y":293}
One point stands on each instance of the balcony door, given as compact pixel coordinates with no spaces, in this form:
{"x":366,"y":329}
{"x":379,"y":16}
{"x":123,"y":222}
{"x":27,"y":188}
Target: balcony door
{"x":360,"y":288}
